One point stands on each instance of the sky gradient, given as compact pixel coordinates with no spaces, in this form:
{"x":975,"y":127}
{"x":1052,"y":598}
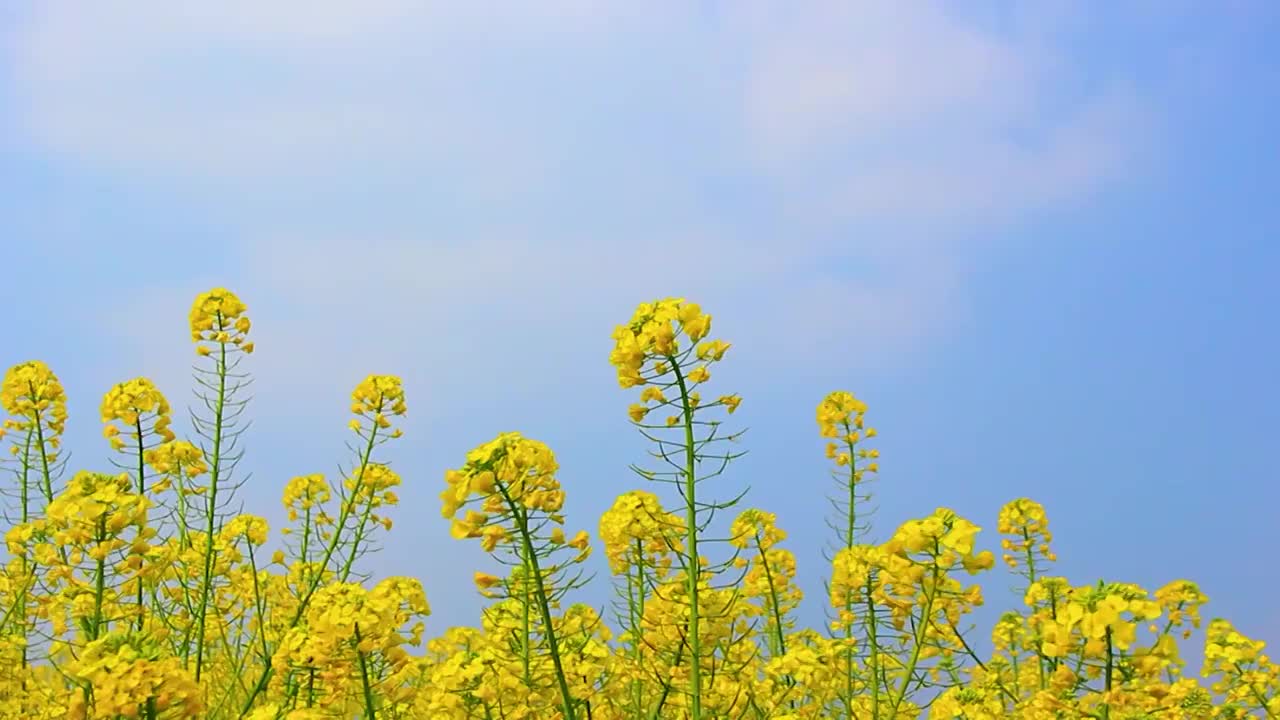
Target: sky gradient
{"x":1039,"y":239}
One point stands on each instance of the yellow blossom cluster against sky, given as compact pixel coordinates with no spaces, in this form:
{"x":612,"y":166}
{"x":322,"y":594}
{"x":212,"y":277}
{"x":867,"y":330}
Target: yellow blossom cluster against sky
{"x":148,"y":590}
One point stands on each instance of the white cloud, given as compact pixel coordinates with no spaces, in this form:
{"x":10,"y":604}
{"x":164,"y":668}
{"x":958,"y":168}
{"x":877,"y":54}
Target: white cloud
{"x":548,"y":158}
{"x":873,"y":69}
{"x":990,"y":181}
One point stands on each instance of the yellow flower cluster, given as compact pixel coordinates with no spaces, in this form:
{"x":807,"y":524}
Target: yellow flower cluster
{"x":31,"y":388}
{"x":147,"y":594}
{"x":1026,"y":527}
{"x":636,"y":530}
{"x":756,"y":528}
{"x":770,"y":569}
{"x":219,"y":318}
{"x":305,"y":492}
{"x":132,"y":678}
{"x":664,"y":348}
{"x":508,"y":471}
{"x":176,"y":457}
{"x":37,"y":406}
{"x":140,"y":408}
{"x":346,"y":630}
{"x":1098,"y":617}
{"x":93,"y":511}
{"x":842,"y":418}
{"x":376,"y":400}
{"x":1247,"y":677}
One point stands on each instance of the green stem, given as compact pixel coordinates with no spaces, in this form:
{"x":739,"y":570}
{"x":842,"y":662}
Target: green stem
{"x":970,"y":652}
{"x":1031,"y":579}
{"x":850,"y":529}
{"x":666,"y":684}
{"x":774,"y":603}
{"x":28,"y":567}
{"x":776,"y":606}
{"x":918,"y":642}
{"x":211,"y":515}
{"x":526,"y":642}
{"x":693,"y":565}
{"x":635,"y":602}
{"x":99,"y":581}
{"x":1106,"y":707}
{"x":540,"y":593}
{"x":259,"y":603}
{"x":46,"y":473}
{"x":370,"y":713}
{"x":853,"y":488}
{"x":313,"y":583}
{"x":142,"y":489}
{"x":873,"y":641}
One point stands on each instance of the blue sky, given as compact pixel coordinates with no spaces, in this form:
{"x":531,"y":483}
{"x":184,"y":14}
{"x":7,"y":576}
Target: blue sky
{"x":1038,"y":239}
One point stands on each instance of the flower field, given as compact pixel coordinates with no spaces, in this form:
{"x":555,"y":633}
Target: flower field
{"x":138,"y":591}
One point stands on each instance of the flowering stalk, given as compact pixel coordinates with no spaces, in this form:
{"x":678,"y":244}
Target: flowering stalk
{"x":219,"y":327}
{"x":374,"y":402}
{"x":512,"y":480}
{"x":769,"y":576}
{"x":143,"y":414}
{"x":659,"y":348}
{"x":34,"y":398}
{"x":841,"y":419}
{"x":641,"y":542}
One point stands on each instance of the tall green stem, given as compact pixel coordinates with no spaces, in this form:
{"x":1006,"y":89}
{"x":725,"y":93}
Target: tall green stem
{"x":370,"y":713}
{"x":850,"y":528}
{"x":142,"y":489}
{"x":28,"y":567}
{"x":211,"y":511}
{"x":918,"y":644}
{"x":693,"y":565}
{"x":46,"y":473}
{"x":313,"y":582}
{"x":526,"y":633}
{"x":635,"y":603}
{"x":540,"y":592}
{"x":873,"y":642}
{"x":99,"y":581}
{"x":774,"y":603}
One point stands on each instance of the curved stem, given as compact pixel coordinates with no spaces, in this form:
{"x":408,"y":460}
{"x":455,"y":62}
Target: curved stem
{"x":693,"y":565}
{"x":370,"y":713}
{"x":774,"y":603}
{"x":46,"y":473}
{"x":918,"y":644}
{"x":313,"y":583}
{"x":259,"y":602}
{"x":540,"y":593}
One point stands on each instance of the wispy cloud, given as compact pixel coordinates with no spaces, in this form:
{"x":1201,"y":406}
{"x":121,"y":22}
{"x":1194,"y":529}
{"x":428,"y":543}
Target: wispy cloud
{"x":488,"y":167}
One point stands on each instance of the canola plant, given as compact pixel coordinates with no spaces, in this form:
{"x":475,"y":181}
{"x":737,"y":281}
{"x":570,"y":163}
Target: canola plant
{"x":142,"y":592}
